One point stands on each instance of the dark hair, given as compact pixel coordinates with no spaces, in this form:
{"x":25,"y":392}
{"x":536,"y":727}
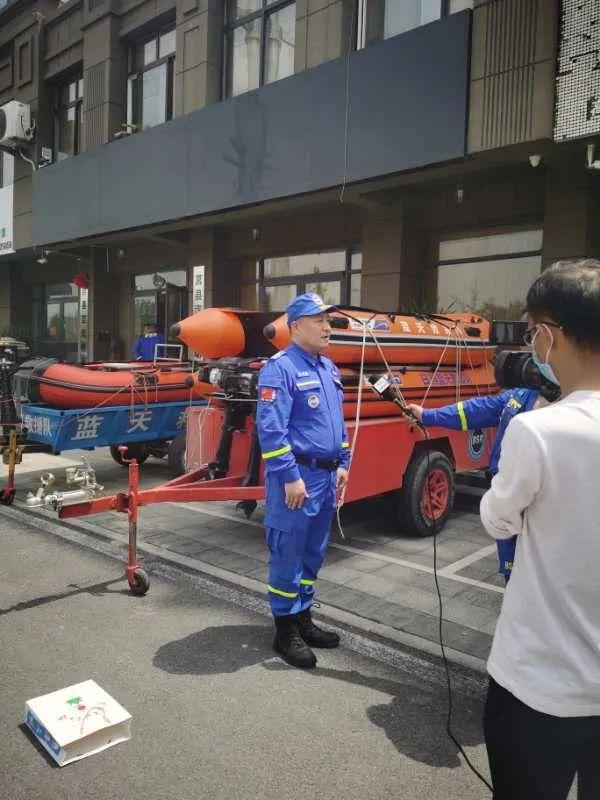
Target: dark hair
{"x":568,"y":293}
{"x":152,"y":325}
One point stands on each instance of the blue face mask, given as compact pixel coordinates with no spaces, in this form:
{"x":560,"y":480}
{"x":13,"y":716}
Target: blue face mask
{"x":543,"y":366}
{"x":545,"y":369}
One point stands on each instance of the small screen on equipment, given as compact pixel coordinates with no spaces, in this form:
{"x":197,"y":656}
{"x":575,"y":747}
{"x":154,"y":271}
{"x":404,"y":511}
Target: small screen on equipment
{"x":507,"y":333}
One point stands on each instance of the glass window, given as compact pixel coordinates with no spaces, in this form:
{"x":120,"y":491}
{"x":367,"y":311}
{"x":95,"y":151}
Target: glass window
{"x":489,"y":275}
{"x":242,"y":8}
{"x":144,"y":311}
{"x":166,"y":44}
{"x":281,"y":279}
{"x":154,"y":96}
{"x":151,"y":81}
{"x":244,"y":58}
{"x":54,"y":290}
{"x":260,"y":38}
{"x":495,"y":289}
{"x":281,"y":38}
{"x":160,"y":280}
{"x":71,"y":320}
{"x":330,"y":291}
{"x":277,"y":297}
{"x":404,"y":15}
{"x":150,"y":52}
{"x":381,"y":19}
{"x":62,"y":320}
{"x":310,"y":263}
{"x":493,"y":245}
{"x":68,"y":119}
{"x":54,"y":322}
{"x":459,"y":5}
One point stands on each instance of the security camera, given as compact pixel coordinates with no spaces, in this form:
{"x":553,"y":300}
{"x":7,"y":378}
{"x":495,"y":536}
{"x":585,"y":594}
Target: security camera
{"x":535,"y":160}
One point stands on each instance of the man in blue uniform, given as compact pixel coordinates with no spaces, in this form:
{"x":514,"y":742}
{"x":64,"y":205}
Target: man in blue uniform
{"x":143,"y":350}
{"x":491,"y":411}
{"x":306,"y":454}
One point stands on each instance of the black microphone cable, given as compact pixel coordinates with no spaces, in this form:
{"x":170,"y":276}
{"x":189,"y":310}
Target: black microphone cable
{"x":384,"y":388}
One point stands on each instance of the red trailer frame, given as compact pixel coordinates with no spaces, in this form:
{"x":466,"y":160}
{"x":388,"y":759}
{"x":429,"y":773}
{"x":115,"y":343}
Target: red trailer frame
{"x":385,"y":449}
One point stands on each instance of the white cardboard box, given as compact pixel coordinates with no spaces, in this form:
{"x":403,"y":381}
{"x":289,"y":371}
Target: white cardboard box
{"x":78,"y":721}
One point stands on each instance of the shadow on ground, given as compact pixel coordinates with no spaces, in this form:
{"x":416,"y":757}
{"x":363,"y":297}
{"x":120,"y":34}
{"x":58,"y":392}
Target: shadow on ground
{"x":96,"y":590}
{"x":414,"y":720}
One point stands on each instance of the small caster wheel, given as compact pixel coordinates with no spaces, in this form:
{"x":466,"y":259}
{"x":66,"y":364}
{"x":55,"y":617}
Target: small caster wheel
{"x":247,"y":506}
{"x":7,"y":497}
{"x":141,"y":582}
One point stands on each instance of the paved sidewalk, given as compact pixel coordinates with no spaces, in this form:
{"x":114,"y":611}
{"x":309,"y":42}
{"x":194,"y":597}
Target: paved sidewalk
{"x":374,"y":573}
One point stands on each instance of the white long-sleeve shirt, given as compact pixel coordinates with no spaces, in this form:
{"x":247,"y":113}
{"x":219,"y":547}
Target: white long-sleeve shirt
{"x":546,"y":648}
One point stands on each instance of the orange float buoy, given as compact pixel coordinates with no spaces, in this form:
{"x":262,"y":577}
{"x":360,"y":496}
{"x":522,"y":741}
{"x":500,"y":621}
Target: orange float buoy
{"x":212,"y":332}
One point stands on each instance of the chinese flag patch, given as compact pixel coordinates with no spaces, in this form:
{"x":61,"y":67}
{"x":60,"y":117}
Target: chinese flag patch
{"x":267,"y":394}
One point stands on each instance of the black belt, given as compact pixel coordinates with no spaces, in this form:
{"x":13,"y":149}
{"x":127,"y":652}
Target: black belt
{"x":317,"y":463}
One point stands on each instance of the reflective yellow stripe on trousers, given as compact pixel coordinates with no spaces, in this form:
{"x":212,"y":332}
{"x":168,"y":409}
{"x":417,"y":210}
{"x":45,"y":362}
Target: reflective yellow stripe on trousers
{"x":281,"y":592}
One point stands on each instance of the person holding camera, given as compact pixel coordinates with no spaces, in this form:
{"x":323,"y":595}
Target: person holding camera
{"x":542,"y":715}
{"x":490,"y":411}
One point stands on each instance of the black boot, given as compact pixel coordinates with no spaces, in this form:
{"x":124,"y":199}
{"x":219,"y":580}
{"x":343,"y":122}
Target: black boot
{"x":314,"y":636}
{"x":289,"y":644}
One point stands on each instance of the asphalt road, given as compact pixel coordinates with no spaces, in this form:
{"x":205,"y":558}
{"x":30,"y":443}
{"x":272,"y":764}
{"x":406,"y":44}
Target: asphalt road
{"x":215,"y":714}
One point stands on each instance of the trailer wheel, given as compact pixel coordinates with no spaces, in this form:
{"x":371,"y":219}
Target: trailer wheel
{"x":427,"y":496}
{"x":141,"y":582}
{"x":135,"y":450}
{"x":7,"y":497}
{"x":176,"y":455}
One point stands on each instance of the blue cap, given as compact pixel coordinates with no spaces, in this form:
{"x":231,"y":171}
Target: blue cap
{"x":306,"y":305}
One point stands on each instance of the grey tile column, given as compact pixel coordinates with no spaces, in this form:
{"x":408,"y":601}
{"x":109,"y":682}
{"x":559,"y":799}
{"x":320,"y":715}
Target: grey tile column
{"x":198,"y":54}
{"x":383,"y":247}
{"x":104,"y":73}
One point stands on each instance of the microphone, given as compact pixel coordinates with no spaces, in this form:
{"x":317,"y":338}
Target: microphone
{"x":383,"y":385}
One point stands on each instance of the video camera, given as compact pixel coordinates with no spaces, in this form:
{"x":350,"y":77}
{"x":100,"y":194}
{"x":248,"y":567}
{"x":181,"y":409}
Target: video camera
{"x":516,"y":368}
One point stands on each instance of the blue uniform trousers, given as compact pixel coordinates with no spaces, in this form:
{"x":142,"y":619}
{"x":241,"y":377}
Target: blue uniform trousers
{"x":297,"y":540}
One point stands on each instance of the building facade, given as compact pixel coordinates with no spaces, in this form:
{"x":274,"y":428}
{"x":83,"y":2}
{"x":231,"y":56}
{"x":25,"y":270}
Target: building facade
{"x":399,"y":154}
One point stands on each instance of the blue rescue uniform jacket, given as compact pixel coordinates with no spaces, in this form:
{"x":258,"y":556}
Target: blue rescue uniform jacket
{"x":145,"y":344}
{"x":483,"y":412}
{"x":487,"y":412}
{"x":300,"y":411}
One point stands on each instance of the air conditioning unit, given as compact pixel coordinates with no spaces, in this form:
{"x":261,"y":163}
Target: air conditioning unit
{"x":16,"y":127}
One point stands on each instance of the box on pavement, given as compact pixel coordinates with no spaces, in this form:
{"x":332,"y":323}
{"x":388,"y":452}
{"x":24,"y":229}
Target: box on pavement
{"x":78,"y":721}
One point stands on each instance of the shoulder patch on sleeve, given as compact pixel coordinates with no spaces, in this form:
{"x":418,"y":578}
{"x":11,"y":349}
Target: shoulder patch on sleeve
{"x":267,"y":394}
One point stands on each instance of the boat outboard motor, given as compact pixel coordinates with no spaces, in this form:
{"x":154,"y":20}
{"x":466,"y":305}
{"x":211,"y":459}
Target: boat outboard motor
{"x":26,"y":380}
{"x":12,"y":353}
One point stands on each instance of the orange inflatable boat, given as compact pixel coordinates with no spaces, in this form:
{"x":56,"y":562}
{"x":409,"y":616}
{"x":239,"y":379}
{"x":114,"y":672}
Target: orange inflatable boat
{"x":404,"y":339}
{"x":451,"y":339}
{"x":45,"y":380}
